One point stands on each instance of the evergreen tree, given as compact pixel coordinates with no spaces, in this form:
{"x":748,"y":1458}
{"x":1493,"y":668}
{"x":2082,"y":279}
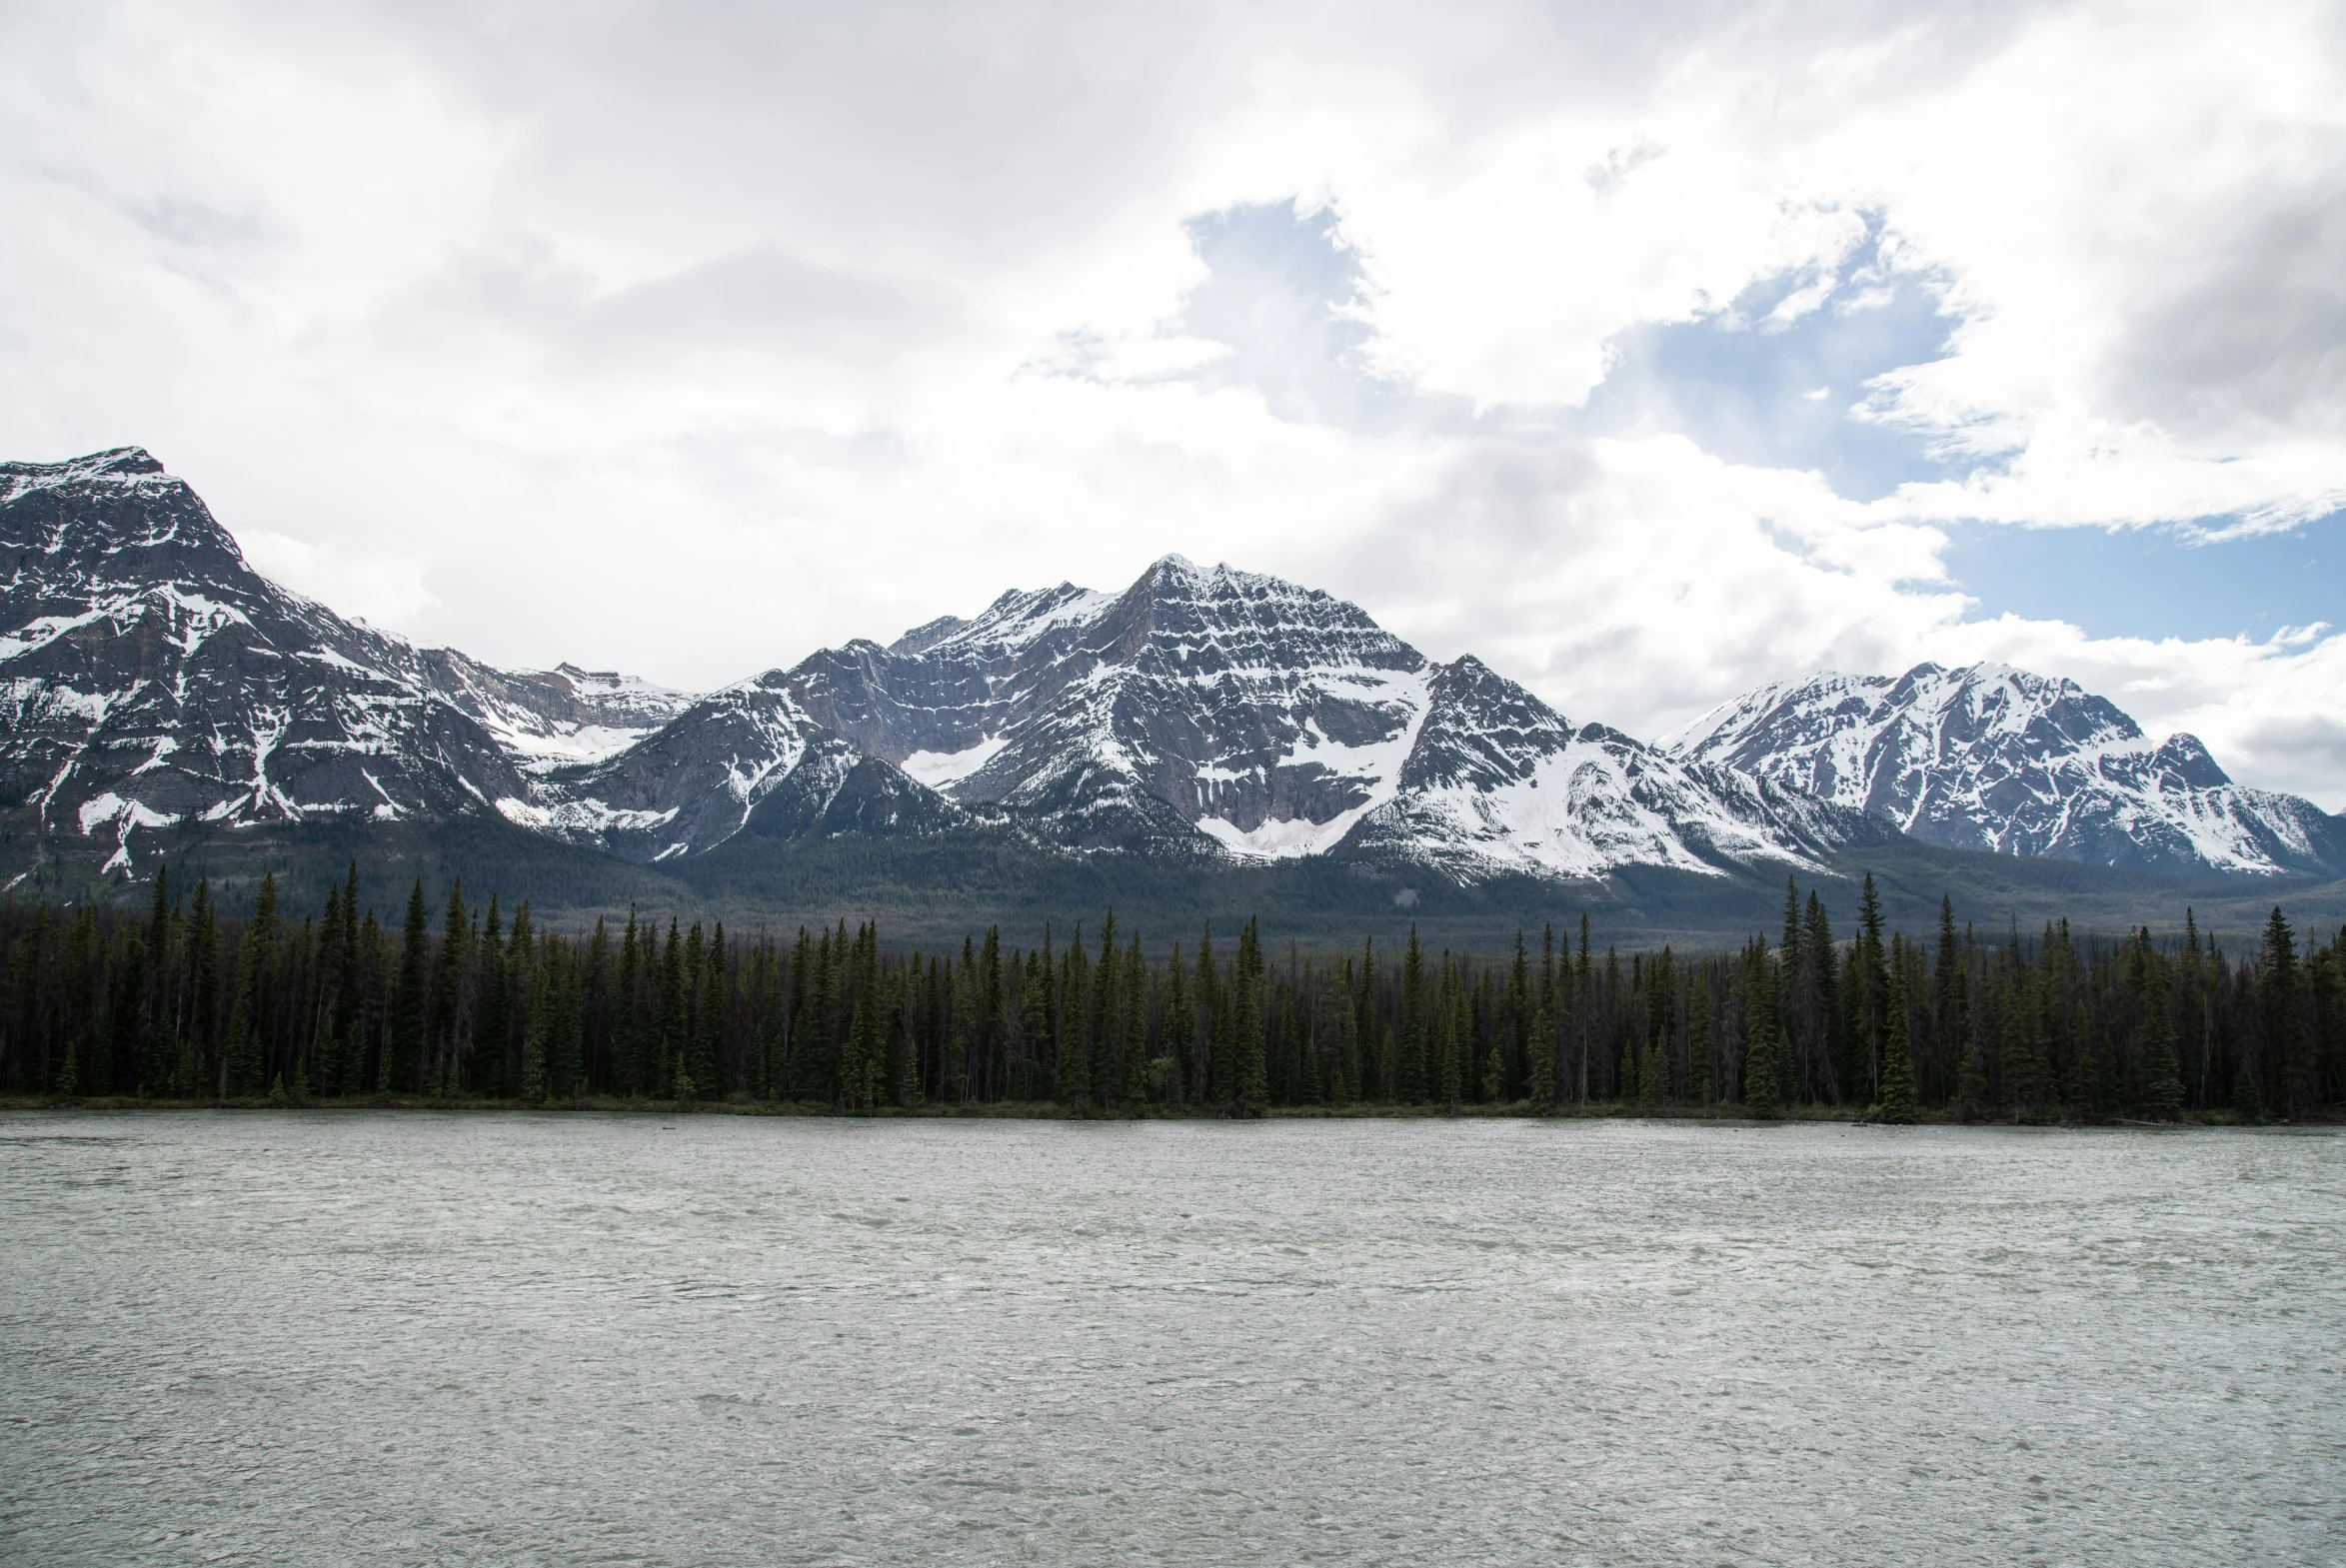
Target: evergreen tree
{"x":445,"y":1029}
{"x":2162,"y":1094}
{"x":492,"y":1033}
{"x":1972,"y":1096}
{"x":1075,"y":1045}
{"x":1869,"y":987}
{"x":1897,"y":1074}
{"x":1766,"y":1072}
{"x":2281,"y":1012}
{"x":534,"y":1043}
{"x":708,"y":1009}
{"x":1251,"y":987}
{"x":1701,"y":1043}
{"x":1180,"y":1028}
{"x":2248,"y":1102}
{"x":405,"y":1046}
{"x":1410,"y":1068}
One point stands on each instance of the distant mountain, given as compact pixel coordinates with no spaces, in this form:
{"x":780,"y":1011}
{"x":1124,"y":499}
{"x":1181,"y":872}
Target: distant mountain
{"x":152,"y":678}
{"x":1214,"y":716}
{"x":155,"y":685}
{"x":1997,"y":758}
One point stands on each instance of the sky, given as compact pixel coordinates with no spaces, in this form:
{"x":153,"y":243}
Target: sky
{"x":1648,"y":352}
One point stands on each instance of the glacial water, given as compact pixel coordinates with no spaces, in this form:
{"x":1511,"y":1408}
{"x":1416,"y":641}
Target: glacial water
{"x":384,"y":1338}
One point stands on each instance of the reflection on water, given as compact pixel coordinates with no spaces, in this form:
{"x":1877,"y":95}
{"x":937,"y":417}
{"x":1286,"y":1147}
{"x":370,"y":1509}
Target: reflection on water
{"x":345,"y":1337}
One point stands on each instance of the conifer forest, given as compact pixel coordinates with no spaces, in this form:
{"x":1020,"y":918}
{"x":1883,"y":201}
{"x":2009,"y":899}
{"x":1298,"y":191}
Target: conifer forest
{"x":473,"y":1001}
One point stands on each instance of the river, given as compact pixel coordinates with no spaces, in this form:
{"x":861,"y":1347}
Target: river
{"x":344,"y":1337}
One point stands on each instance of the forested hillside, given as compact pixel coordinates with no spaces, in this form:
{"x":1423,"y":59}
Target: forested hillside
{"x":476,"y":1002}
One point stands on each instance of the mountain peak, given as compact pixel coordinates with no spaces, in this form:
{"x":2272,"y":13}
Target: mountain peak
{"x":1995,"y":758}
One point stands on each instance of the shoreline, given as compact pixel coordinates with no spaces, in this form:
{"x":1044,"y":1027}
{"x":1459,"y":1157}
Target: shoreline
{"x":1046,"y":1110}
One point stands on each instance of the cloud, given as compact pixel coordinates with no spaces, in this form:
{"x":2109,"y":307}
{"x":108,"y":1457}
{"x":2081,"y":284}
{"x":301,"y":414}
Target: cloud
{"x":689,"y":341}
{"x":2250,"y":338}
{"x":756,"y":300}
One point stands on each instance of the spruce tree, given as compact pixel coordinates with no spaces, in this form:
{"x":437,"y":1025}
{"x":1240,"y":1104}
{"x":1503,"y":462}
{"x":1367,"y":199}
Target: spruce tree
{"x":1897,"y":1072}
{"x":1447,"y":1051}
{"x":533,"y":1042}
{"x":1766,"y":1072}
{"x":708,"y":1043}
{"x":2162,"y":1092}
{"x":1972,"y":1096}
{"x":1253,"y":987}
{"x":405,"y":1045}
{"x":1075,"y":1043}
{"x":1702,"y":1041}
{"x":2247,"y":1093}
{"x":2281,"y":1012}
{"x":448,"y":971}
{"x":492,"y":1031}
{"x":1409,"y":1068}
{"x":1179,"y":1028}
{"x":244,"y":1038}
{"x":1135,"y":1031}
{"x":904,"y":1086}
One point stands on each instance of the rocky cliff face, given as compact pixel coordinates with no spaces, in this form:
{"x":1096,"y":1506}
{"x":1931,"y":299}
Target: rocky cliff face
{"x":1207,"y":715}
{"x":152,"y":677}
{"x":1997,"y":758}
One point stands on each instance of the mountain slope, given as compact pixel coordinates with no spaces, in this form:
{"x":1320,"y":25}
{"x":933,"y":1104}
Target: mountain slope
{"x":1997,"y":759}
{"x":149,"y":677}
{"x":1210,"y":716}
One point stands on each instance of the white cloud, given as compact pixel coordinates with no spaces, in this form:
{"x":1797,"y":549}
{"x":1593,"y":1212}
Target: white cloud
{"x":690,"y":341}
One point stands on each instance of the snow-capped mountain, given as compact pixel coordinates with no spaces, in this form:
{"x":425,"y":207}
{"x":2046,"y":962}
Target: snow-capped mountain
{"x":155,"y":682}
{"x":1201,"y":715}
{"x":1997,"y":758}
{"x":152,"y":677}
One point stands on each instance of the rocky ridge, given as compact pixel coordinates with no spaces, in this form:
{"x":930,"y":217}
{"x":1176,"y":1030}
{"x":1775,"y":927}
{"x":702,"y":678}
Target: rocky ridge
{"x":1995,"y":758}
{"x":154,"y":681}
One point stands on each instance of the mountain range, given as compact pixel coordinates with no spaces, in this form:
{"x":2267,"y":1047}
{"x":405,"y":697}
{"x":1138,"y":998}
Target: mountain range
{"x":156,"y":685}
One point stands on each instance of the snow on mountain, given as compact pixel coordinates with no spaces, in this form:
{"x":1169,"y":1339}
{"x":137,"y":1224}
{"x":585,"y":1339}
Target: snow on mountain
{"x":548,"y":719}
{"x":1496,"y":780}
{"x":1997,"y":758}
{"x":1222,"y":713}
{"x":150,"y":677}
{"x":690,"y":785}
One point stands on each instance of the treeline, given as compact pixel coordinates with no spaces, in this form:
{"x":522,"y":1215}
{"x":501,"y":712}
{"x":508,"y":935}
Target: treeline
{"x":481,"y":1002}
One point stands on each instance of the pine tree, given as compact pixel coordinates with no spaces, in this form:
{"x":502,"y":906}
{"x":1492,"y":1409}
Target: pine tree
{"x":527,"y":995}
{"x":2162,"y":1092}
{"x":1702,"y":1041}
{"x":707,"y":1042}
{"x":1869,"y":989}
{"x":492,"y":1033}
{"x":2248,"y":1102}
{"x":1409,"y":1068}
{"x":405,"y":1046}
{"x":1897,"y":1072}
{"x":1135,"y":1027}
{"x":1973,"y":1096}
{"x":1253,"y":987}
{"x":1180,"y":1028}
{"x":1444,"y":1027}
{"x":443,"y":1033}
{"x":2281,"y":1012}
{"x":1075,"y":1045}
{"x":1766,"y":1071}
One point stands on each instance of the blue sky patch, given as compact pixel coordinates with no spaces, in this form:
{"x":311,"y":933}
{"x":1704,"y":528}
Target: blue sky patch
{"x":2150,"y":583}
{"x":1778,"y":394}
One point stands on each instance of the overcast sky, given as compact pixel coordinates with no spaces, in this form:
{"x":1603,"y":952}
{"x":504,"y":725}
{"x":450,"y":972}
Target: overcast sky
{"x":1648,"y":352}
